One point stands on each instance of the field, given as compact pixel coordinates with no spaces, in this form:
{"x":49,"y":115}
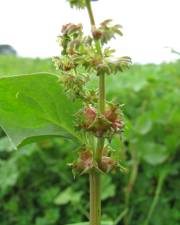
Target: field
{"x":37,"y":187}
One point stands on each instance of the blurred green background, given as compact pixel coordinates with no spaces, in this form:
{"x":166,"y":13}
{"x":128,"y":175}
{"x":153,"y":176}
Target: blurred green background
{"x":37,"y":187}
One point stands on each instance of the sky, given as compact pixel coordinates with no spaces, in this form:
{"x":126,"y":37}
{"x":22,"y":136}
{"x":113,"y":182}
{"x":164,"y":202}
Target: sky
{"x":149,"y":26}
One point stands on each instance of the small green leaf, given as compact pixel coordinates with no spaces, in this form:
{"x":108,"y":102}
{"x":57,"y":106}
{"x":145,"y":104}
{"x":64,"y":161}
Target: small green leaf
{"x":143,"y":124}
{"x":5,"y":145}
{"x":138,"y":84}
{"x":108,"y":189}
{"x":8,"y":174}
{"x":50,"y":217}
{"x":34,"y":106}
{"x":153,"y":153}
{"x":66,"y":196}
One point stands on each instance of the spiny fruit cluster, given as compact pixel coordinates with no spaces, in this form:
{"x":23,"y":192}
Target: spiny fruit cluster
{"x":101,"y":125}
{"x":86,"y":163}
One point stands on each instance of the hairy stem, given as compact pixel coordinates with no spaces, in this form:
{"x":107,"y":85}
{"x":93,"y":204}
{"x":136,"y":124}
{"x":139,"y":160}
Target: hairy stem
{"x":95,"y":178}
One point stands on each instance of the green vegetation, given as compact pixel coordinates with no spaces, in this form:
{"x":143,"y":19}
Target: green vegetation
{"x":36,"y":188}
{"x":43,"y":105}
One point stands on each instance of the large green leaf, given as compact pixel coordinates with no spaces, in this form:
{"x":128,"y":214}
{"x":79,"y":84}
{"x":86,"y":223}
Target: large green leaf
{"x":35,"y":106}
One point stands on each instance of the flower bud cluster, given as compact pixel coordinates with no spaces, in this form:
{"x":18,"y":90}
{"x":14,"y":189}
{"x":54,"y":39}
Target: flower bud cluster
{"x":77,"y":56}
{"x":106,"y":31}
{"x":79,"y":59}
{"x":74,"y":85}
{"x":80,"y":4}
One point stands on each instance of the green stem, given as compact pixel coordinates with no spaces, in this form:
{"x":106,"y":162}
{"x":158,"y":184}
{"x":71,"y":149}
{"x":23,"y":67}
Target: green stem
{"x":90,"y":12}
{"x":102,"y":93}
{"x":95,"y":198}
{"x":120,"y":217}
{"x":156,"y":197}
{"x":102,"y":96}
{"x":95,"y":178}
{"x":131,"y":182}
{"x":99,"y":150}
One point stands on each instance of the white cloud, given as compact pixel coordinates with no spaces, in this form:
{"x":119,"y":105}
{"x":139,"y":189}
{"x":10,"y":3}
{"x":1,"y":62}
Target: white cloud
{"x":31,"y":26}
